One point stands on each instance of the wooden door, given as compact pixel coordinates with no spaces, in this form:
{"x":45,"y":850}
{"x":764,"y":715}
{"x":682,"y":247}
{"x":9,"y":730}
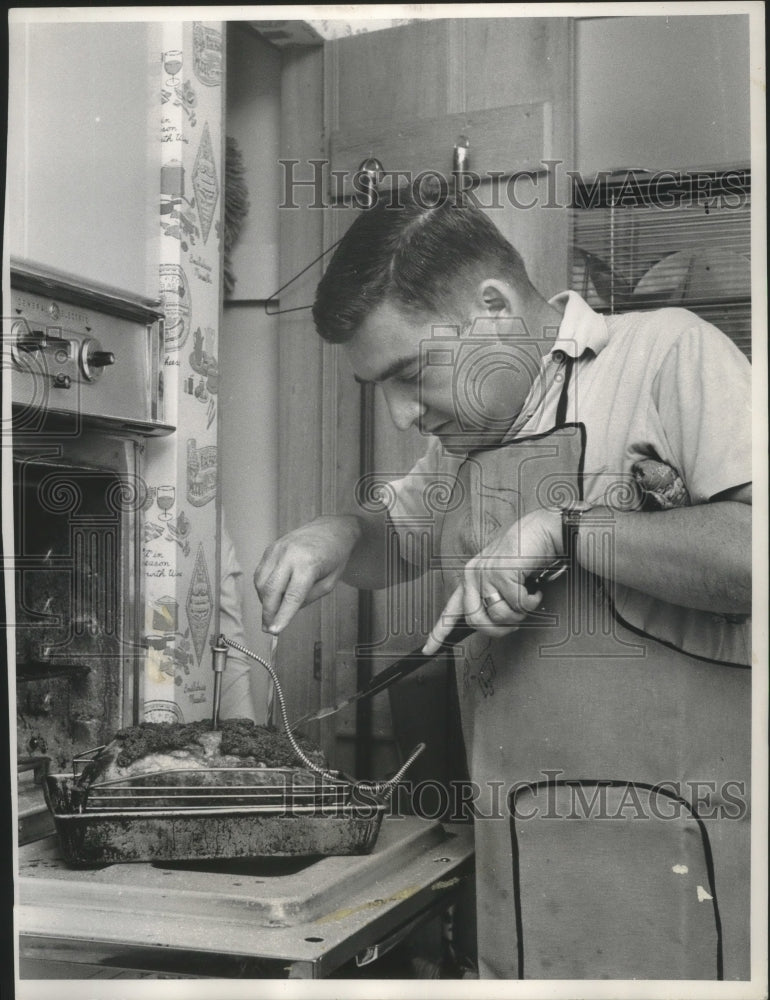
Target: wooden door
{"x":404,"y":96}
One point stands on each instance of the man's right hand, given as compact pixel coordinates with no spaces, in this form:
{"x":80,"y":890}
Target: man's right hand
{"x":302,"y":566}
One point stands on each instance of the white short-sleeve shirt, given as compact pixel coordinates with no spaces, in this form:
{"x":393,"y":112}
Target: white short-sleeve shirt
{"x":662,"y":384}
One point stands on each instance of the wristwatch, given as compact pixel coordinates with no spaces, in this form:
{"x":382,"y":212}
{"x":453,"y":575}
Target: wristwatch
{"x":571,"y":516}
{"x":570,"y":522}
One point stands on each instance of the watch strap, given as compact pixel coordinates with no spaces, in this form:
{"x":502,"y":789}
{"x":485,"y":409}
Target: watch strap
{"x":571,"y":516}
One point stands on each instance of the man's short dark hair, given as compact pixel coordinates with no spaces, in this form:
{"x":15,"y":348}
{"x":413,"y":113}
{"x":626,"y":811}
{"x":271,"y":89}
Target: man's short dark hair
{"x":417,"y":256}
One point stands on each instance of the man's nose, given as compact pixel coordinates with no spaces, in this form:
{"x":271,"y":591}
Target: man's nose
{"x":404,"y":406}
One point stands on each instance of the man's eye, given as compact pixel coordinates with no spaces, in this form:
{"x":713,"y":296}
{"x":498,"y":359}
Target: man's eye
{"x":411,"y":379}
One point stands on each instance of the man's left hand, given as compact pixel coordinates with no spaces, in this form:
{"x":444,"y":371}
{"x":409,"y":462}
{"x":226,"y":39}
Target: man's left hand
{"x":492,"y":595}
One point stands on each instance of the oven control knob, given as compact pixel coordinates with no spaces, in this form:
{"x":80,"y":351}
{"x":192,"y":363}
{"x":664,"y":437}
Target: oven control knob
{"x":26,"y":343}
{"x":93,"y":360}
{"x":34,"y":341}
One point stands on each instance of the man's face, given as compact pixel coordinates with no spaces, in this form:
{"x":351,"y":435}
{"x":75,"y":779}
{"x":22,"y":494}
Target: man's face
{"x":466,"y":389}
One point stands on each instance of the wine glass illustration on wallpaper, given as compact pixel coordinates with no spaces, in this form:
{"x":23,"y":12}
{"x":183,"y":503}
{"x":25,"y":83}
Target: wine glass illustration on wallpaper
{"x":165,"y":500}
{"x":172,"y":63}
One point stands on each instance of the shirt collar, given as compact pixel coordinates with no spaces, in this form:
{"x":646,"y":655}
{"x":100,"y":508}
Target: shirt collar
{"x":580,"y":329}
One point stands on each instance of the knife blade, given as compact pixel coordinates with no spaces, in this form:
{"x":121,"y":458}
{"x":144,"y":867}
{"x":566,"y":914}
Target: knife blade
{"x":410,"y":662}
{"x":403,"y":666}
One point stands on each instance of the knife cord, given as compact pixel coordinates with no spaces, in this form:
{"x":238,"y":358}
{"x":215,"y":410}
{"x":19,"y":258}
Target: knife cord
{"x":376,"y":788}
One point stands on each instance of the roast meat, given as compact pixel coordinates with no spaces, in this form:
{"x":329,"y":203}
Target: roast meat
{"x":153,"y":747}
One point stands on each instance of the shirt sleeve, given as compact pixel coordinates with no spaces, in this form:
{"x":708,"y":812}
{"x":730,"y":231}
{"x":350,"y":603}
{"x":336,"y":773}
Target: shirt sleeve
{"x":417,"y":500}
{"x":702,"y":392}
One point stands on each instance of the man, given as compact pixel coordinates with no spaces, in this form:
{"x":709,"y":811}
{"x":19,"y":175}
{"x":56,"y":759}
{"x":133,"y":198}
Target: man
{"x":606,"y":712}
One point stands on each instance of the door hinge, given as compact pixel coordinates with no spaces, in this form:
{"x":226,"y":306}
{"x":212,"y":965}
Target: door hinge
{"x":317,"y":647}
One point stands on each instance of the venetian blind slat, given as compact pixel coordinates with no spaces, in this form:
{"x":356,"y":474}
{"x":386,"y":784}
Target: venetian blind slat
{"x":635,"y":247}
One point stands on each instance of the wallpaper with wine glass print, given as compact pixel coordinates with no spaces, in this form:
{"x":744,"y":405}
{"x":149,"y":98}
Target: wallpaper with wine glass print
{"x":179,"y":554}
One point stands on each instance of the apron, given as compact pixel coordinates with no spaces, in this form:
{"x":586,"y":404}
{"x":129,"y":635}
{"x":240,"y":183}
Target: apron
{"x":610,"y":766}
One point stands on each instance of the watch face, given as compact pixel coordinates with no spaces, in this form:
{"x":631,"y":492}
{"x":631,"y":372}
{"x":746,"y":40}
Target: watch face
{"x":570,"y":522}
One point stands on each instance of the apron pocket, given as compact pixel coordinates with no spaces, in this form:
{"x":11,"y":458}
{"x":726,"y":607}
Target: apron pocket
{"x":613,"y":880}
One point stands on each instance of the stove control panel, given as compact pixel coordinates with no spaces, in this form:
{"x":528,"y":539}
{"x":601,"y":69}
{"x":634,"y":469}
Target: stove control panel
{"x":58,"y":354}
{"x":83,"y":351}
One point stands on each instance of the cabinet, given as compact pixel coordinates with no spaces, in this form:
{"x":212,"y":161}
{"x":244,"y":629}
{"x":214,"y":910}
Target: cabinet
{"x":83,"y":178}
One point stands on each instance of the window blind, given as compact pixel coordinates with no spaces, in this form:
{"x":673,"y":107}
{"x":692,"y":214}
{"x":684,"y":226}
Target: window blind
{"x":644,"y":241}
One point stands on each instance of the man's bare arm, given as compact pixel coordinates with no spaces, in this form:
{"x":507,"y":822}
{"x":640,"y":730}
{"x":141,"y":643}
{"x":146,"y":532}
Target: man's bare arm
{"x":696,"y":557}
{"x":372,"y":565}
{"x":307,"y":563}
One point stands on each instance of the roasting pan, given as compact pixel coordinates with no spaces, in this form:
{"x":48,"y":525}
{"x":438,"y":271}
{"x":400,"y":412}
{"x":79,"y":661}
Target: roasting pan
{"x":211,"y":813}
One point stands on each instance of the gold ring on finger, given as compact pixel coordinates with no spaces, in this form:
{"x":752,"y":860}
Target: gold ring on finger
{"x":490,"y":599}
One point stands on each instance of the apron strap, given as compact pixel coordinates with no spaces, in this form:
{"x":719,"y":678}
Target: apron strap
{"x":561,"y":408}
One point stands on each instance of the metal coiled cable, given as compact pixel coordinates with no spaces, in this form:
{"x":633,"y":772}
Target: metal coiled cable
{"x":376,"y":788}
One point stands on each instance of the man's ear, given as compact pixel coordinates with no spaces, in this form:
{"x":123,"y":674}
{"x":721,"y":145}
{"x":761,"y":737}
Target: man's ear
{"x":497,"y":297}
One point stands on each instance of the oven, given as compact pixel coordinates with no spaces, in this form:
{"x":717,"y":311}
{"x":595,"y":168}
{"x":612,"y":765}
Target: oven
{"x":86,"y":374}
{"x":84,"y":366}
{"x":76,"y":590}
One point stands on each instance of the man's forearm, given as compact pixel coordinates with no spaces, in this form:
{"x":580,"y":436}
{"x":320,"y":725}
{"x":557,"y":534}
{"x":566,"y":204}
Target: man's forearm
{"x":372,"y":565}
{"x":697,"y":557}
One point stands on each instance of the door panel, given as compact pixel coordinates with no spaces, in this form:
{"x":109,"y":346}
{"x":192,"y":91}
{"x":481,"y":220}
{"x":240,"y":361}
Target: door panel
{"x":516,"y":136}
{"x":510,"y":60}
{"x":404,"y":95}
{"x":386,"y":77}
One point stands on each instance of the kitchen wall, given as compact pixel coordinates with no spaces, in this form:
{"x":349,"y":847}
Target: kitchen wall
{"x":249,"y":343}
{"x":249,"y":454}
{"x":661,"y":92}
